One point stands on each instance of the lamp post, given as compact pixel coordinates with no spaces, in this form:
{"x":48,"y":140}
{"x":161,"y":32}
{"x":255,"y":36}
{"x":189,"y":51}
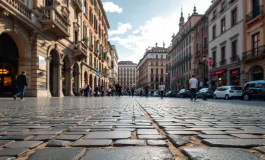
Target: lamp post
{"x":204,"y":68}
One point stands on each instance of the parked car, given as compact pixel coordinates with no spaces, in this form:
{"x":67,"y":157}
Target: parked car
{"x":156,"y":94}
{"x":172,"y":93}
{"x":208,"y":91}
{"x":254,"y":90}
{"x":183,"y":93}
{"x":228,"y":92}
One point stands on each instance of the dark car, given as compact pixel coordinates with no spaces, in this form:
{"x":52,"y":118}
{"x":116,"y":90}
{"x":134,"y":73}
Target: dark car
{"x":208,"y":91}
{"x":254,"y":90}
{"x":172,"y":93}
{"x":183,"y":93}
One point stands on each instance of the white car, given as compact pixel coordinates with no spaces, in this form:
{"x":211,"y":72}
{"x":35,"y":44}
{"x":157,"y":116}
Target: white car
{"x":228,"y":92}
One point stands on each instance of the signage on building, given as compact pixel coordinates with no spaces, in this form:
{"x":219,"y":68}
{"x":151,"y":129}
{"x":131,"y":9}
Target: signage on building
{"x":210,"y":61}
{"x":234,"y":71}
{"x":97,"y":73}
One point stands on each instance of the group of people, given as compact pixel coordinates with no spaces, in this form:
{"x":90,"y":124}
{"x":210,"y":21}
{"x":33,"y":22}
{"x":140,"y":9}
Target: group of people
{"x":87,"y":90}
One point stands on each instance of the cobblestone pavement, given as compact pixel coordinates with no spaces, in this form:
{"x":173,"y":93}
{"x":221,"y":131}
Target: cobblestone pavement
{"x":113,"y":128}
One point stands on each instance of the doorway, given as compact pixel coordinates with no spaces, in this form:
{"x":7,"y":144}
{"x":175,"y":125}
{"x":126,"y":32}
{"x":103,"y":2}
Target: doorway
{"x":8,"y":65}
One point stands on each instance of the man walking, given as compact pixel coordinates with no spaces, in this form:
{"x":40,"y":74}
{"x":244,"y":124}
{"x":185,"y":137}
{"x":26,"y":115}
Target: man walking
{"x":21,"y":83}
{"x":132,"y":90}
{"x":162,"y":89}
{"x":146,"y":90}
{"x":193,"y":87}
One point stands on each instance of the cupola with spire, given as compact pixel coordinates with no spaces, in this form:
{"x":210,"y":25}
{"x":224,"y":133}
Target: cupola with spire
{"x":195,"y":11}
{"x":181,"y":20}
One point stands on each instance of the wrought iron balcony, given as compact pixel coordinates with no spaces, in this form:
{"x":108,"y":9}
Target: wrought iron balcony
{"x":17,"y":8}
{"x":254,"y":53}
{"x":80,"y":49}
{"x":259,"y":11}
{"x":54,"y":22}
{"x":222,"y":62}
{"x":78,"y":5}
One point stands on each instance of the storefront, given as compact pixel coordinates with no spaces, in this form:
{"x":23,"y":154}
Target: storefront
{"x":218,"y":78}
{"x":235,"y":77}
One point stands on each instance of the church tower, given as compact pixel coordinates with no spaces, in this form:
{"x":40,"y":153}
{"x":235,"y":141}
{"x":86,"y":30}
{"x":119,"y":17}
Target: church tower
{"x":181,"y":20}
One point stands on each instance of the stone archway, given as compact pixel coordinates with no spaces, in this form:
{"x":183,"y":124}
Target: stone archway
{"x":54,"y":74}
{"x":67,"y":77}
{"x":91,"y":81}
{"x":256,"y":73}
{"x":75,"y":80}
{"x":9,"y":56}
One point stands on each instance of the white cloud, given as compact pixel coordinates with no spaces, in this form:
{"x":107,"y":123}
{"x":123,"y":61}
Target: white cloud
{"x":111,"y":7}
{"x":122,"y":28}
{"x":156,"y":30}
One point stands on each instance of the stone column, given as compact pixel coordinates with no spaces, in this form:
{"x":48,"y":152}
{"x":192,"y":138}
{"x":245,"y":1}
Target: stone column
{"x":59,"y":81}
{"x":69,"y":84}
{"x":48,"y":60}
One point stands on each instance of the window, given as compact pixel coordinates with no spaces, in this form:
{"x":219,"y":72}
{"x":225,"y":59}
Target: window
{"x":234,"y":49}
{"x":223,"y":7}
{"x":157,"y":63}
{"x":156,"y":56}
{"x":197,"y":48}
{"x":214,"y":32}
{"x":234,"y":17}
{"x":85,"y":7}
{"x":223,"y":25}
{"x":162,"y":63}
{"x":91,"y":16}
{"x":152,"y":71}
{"x":255,"y":43}
{"x":162,"y":71}
{"x":214,"y":58}
{"x":223,"y":53}
{"x":214,"y":14}
{"x":85,"y":32}
{"x":156,"y":71}
{"x":205,"y":42}
{"x":161,"y":56}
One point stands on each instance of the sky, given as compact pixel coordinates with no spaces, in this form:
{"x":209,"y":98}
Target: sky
{"x":136,"y":25}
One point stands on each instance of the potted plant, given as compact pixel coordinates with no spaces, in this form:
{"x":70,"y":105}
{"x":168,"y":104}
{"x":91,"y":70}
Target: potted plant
{"x":85,"y":39}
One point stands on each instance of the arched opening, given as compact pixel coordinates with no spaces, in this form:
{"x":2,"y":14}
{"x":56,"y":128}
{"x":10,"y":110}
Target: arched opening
{"x":75,"y":79}
{"x":256,"y":73}
{"x":99,"y":84}
{"x":8,"y":65}
{"x":95,"y":82}
{"x":85,"y":78}
{"x":90,"y":80}
{"x":54,"y":73}
{"x":66,"y":77}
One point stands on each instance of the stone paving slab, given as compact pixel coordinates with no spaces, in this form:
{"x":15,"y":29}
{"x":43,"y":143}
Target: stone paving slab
{"x":13,"y":152}
{"x":56,"y":154}
{"x":147,"y":131}
{"x":58,"y":143}
{"x":91,"y":143}
{"x":129,"y":153}
{"x":150,"y":137}
{"x":219,"y":154}
{"x":129,"y":142}
{"x":244,"y":143}
{"x":23,"y":144}
{"x":212,"y":136}
{"x":7,"y":158}
{"x":3,"y":142}
{"x":109,"y":135}
{"x":162,"y":143}
{"x":177,"y":140}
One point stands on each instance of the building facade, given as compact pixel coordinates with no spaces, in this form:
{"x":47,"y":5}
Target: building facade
{"x":254,"y":41}
{"x":114,"y":65}
{"x":200,"y":53}
{"x":152,"y":68}
{"x":226,"y":40}
{"x":181,"y":59}
{"x":50,"y":41}
{"x":127,"y":74}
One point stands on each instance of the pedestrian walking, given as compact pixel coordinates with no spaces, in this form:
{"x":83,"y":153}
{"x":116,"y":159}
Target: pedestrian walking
{"x":109,"y":91}
{"x":102,"y":91}
{"x":129,"y":92}
{"x":141,"y":92}
{"x":90,"y":91}
{"x":117,"y":87}
{"x":146,"y":89}
{"x":85,"y":88}
{"x":132,"y":90}
{"x":162,"y":88}
{"x":193,"y":85}
{"x":21,"y":84}
{"x":96,"y":91}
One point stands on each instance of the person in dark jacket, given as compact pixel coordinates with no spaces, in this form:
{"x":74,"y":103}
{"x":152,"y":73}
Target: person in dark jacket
{"x":21,"y":83}
{"x":96,"y":91}
{"x":132,"y":90}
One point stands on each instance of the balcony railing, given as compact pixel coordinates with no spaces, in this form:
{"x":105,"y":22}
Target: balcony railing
{"x":222,"y":62}
{"x":80,"y":49}
{"x":234,"y":58}
{"x":53,"y":21}
{"x":19,"y":7}
{"x":255,"y":13}
{"x":254,"y":53}
{"x":78,"y":5}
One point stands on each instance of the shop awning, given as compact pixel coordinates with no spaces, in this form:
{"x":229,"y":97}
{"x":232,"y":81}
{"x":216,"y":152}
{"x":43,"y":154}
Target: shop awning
{"x":217,"y":72}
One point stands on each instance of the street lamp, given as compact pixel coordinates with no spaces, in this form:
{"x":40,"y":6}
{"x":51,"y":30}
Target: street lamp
{"x":204,"y":63}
